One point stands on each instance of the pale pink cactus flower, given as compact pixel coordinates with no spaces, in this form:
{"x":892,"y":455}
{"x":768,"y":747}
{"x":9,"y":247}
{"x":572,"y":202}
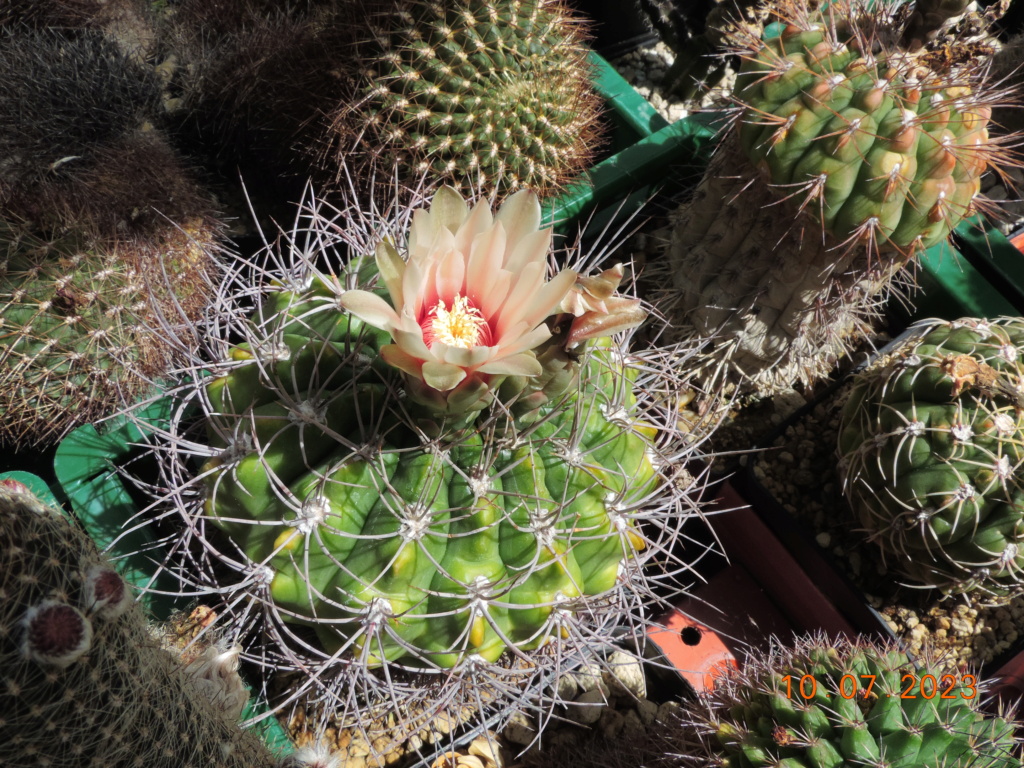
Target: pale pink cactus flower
{"x":471,"y":301}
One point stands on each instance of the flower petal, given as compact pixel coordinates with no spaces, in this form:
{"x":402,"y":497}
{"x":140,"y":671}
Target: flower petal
{"x":520,"y":215}
{"x":520,"y":302}
{"x":524,"y":364}
{"x":480,"y":220}
{"x":370,"y":308}
{"x":448,"y":210}
{"x":523,"y":341}
{"x":391,"y":267}
{"x":549,"y":297}
{"x":396,"y":357}
{"x":412,"y":342}
{"x":464,"y":358}
{"x":484,"y":263}
{"x":496,"y":293}
{"x":532,"y":247}
{"x":442,"y":376}
{"x":450,"y":276}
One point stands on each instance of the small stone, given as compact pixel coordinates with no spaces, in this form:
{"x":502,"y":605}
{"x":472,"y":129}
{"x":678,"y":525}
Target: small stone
{"x":647,"y":710}
{"x":625,"y":673}
{"x":611,"y":723}
{"x":520,"y":730}
{"x":587,"y":708}
{"x":668,"y":711}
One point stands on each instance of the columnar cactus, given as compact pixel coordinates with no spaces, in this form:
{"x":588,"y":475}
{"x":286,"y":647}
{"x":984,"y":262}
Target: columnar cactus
{"x":442,"y":462}
{"x":84,"y":684}
{"x":930,"y":454}
{"x":848,"y":156}
{"x":822,"y":704}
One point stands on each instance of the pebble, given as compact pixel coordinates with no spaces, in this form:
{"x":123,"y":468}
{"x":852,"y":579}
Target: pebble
{"x":625,"y":674}
{"x":587,"y":708}
{"x":520,"y":730}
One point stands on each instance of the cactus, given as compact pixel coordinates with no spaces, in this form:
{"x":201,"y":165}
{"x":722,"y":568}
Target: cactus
{"x":80,"y":323}
{"x":930,"y":453}
{"x":83,"y":681}
{"x":820,"y":703}
{"x":849,"y":156}
{"x":440,"y":497}
{"x":485,"y":95}
{"x":491,"y":95}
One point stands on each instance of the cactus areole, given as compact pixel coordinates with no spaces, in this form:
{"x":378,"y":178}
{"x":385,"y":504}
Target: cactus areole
{"x":931,"y":450}
{"x":435,"y":475}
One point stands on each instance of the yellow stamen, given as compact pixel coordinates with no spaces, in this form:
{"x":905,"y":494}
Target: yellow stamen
{"x":461,"y":326}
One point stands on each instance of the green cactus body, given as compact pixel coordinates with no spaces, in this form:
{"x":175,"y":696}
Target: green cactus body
{"x":849,"y":157}
{"x":818,"y":705}
{"x":490,"y":95}
{"x":891,"y":152}
{"x":403,"y":548}
{"x":930,"y":449}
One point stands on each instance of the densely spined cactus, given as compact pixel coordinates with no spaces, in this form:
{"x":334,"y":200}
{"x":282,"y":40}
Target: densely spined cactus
{"x":484,"y":95}
{"x":830,"y":705}
{"x":84,"y":684}
{"x":82,"y":322}
{"x":848,"y":156}
{"x":493,"y":95}
{"x":439,"y":498}
{"x":930,"y":455}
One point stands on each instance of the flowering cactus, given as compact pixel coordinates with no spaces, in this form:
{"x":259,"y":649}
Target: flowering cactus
{"x":438,"y":462}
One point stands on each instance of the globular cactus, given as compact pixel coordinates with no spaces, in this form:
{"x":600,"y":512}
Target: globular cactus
{"x":832,"y":704}
{"x":440,"y":474}
{"x":930,"y":454}
{"x":84,"y":683}
{"x":489,"y":96}
{"x":848,"y":156}
{"x":82,"y":322}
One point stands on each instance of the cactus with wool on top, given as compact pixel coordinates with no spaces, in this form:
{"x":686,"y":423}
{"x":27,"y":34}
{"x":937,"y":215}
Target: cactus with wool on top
{"x":849,"y":155}
{"x":84,"y":682}
{"x":443,"y":467}
{"x":930,"y":454}
{"x":826,"y":704}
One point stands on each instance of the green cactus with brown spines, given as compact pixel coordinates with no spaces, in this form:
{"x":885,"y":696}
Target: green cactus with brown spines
{"x":491,"y":95}
{"x":485,"y":96}
{"x":826,"y":704}
{"x":847,"y":157}
{"x":84,"y":683}
{"x":930,"y":452}
{"x":80,"y":319}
